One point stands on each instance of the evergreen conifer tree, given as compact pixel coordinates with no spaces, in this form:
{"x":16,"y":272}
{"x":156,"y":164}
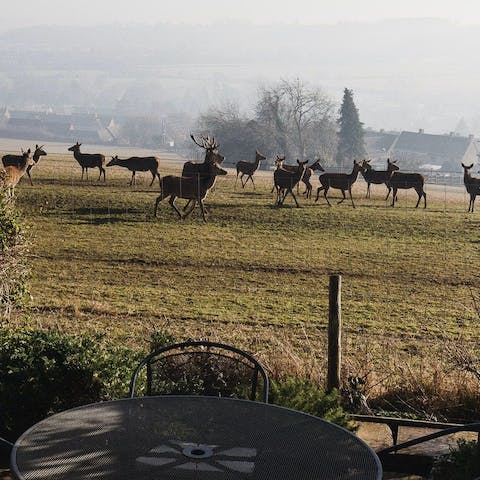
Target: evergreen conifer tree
{"x":350,"y":137}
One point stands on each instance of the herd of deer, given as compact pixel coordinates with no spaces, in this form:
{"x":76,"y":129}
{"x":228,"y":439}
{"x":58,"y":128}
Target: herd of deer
{"x":198,"y":178}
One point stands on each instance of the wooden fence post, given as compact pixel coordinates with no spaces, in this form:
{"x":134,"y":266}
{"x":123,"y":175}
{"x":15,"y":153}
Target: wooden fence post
{"x":334,"y":331}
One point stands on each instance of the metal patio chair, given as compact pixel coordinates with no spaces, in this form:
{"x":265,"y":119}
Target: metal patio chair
{"x":415,"y":464}
{"x":201,"y":368}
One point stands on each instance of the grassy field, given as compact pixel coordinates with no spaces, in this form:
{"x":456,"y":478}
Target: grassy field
{"x":256,"y":275}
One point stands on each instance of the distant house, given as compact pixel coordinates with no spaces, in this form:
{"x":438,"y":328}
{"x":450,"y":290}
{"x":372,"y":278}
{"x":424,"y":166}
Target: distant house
{"x":421,"y":150}
{"x":378,"y":144}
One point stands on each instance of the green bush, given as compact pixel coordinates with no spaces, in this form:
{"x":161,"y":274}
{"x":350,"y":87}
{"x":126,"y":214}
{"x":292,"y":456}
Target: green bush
{"x":43,"y":372}
{"x":306,"y":396}
{"x":13,"y":272}
{"x":462,"y":463}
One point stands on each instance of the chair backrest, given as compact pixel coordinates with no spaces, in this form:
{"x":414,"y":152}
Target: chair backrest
{"x":201,"y":368}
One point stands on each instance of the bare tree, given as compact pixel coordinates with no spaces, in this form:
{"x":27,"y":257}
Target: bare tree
{"x":300,"y":118}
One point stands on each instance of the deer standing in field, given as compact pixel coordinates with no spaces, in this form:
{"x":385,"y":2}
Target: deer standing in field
{"x":339,"y":181}
{"x":405,"y":181}
{"x":194,"y":189}
{"x":285,"y":181}
{"x":248,"y":168}
{"x":306,"y":176}
{"x":138,"y":164}
{"x":16,"y":160}
{"x":88,"y":160}
{"x":472,"y":184}
{"x":198,"y":170}
{"x":377,"y":177}
{"x":13,"y":173}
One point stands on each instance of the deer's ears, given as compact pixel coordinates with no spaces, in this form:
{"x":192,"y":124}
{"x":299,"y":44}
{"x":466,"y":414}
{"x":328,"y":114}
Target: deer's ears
{"x":465,"y":166}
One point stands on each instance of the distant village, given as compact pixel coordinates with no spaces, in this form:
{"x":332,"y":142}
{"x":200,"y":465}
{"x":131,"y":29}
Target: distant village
{"x":415,"y":150}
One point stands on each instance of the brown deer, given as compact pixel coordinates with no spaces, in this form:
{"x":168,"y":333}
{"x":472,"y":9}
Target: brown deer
{"x":194,"y":189}
{"x":405,"y":181}
{"x":248,"y":168}
{"x":472,"y":184}
{"x":88,"y":160}
{"x":198,"y":170}
{"x":339,"y":181}
{"x":285,"y":181}
{"x":17,"y":160}
{"x":13,"y":173}
{"x":306,"y":176}
{"x":138,"y":164}
{"x":377,"y":177}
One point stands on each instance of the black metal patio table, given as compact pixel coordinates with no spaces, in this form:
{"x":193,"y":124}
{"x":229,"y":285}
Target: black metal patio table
{"x":189,"y":437}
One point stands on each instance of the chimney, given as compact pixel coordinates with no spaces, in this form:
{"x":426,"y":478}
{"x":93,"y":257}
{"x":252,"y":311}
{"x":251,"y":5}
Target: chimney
{"x":421,"y":130}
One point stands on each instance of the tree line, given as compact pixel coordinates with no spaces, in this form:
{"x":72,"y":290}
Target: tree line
{"x":293,"y":119}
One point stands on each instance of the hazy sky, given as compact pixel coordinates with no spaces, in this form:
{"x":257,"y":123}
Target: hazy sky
{"x":94,"y":12}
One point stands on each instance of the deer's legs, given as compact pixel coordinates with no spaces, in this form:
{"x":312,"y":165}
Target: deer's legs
{"x":325,"y":195}
{"x":202,"y":208}
{"x":351,"y":198}
{"x":154,"y":175}
{"x":388,"y":193}
{"x":368,"y":190}
{"x":172,"y":204}
{"x":394,"y":198}
{"x":343,"y":199}
{"x":308,"y":189}
{"x":29,"y":176}
{"x":253,"y":183}
{"x":472,"y":202}
{"x":159,"y":199}
{"x":421,"y":194}
{"x":132,"y":180}
{"x":186,"y":213}
{"x":102,"y":170}
{"x":319,"y":189}
{"x":83,"y":171}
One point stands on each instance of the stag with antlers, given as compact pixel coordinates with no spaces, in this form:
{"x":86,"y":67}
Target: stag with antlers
{"x":194,"y":189}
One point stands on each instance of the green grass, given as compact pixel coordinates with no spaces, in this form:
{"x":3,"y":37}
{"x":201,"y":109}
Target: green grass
{"x":255,"y":274}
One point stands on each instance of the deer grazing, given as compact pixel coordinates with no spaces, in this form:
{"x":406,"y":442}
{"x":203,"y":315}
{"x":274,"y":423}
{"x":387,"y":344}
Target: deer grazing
{"x":377,"y":177}
{"x":286,"y":180}
{"x":88,"y":160}
{"x":138,"y":164}
{"x":194,"y":189}
{"x":405,"y":181}
{"x":16,"y":160}
{"x":13,"y":173}
{"x":248,"y":168}
{"x":339,"y":181}
{"x":472,"y":184}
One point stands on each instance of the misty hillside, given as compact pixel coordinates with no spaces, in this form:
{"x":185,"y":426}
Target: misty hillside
{"x":406,"y":74}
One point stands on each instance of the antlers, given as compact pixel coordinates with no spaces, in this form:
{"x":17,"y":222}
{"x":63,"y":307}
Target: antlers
{"x":207,"y":143}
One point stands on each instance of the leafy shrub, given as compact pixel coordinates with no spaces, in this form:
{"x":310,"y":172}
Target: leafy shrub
{"x":13,"y":273}
{"x":306,"y":396}
{"x":43,"y":372}
{"x":462,"y":463}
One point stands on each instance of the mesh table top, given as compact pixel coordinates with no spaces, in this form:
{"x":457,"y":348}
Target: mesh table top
{"x":172,"y":437}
